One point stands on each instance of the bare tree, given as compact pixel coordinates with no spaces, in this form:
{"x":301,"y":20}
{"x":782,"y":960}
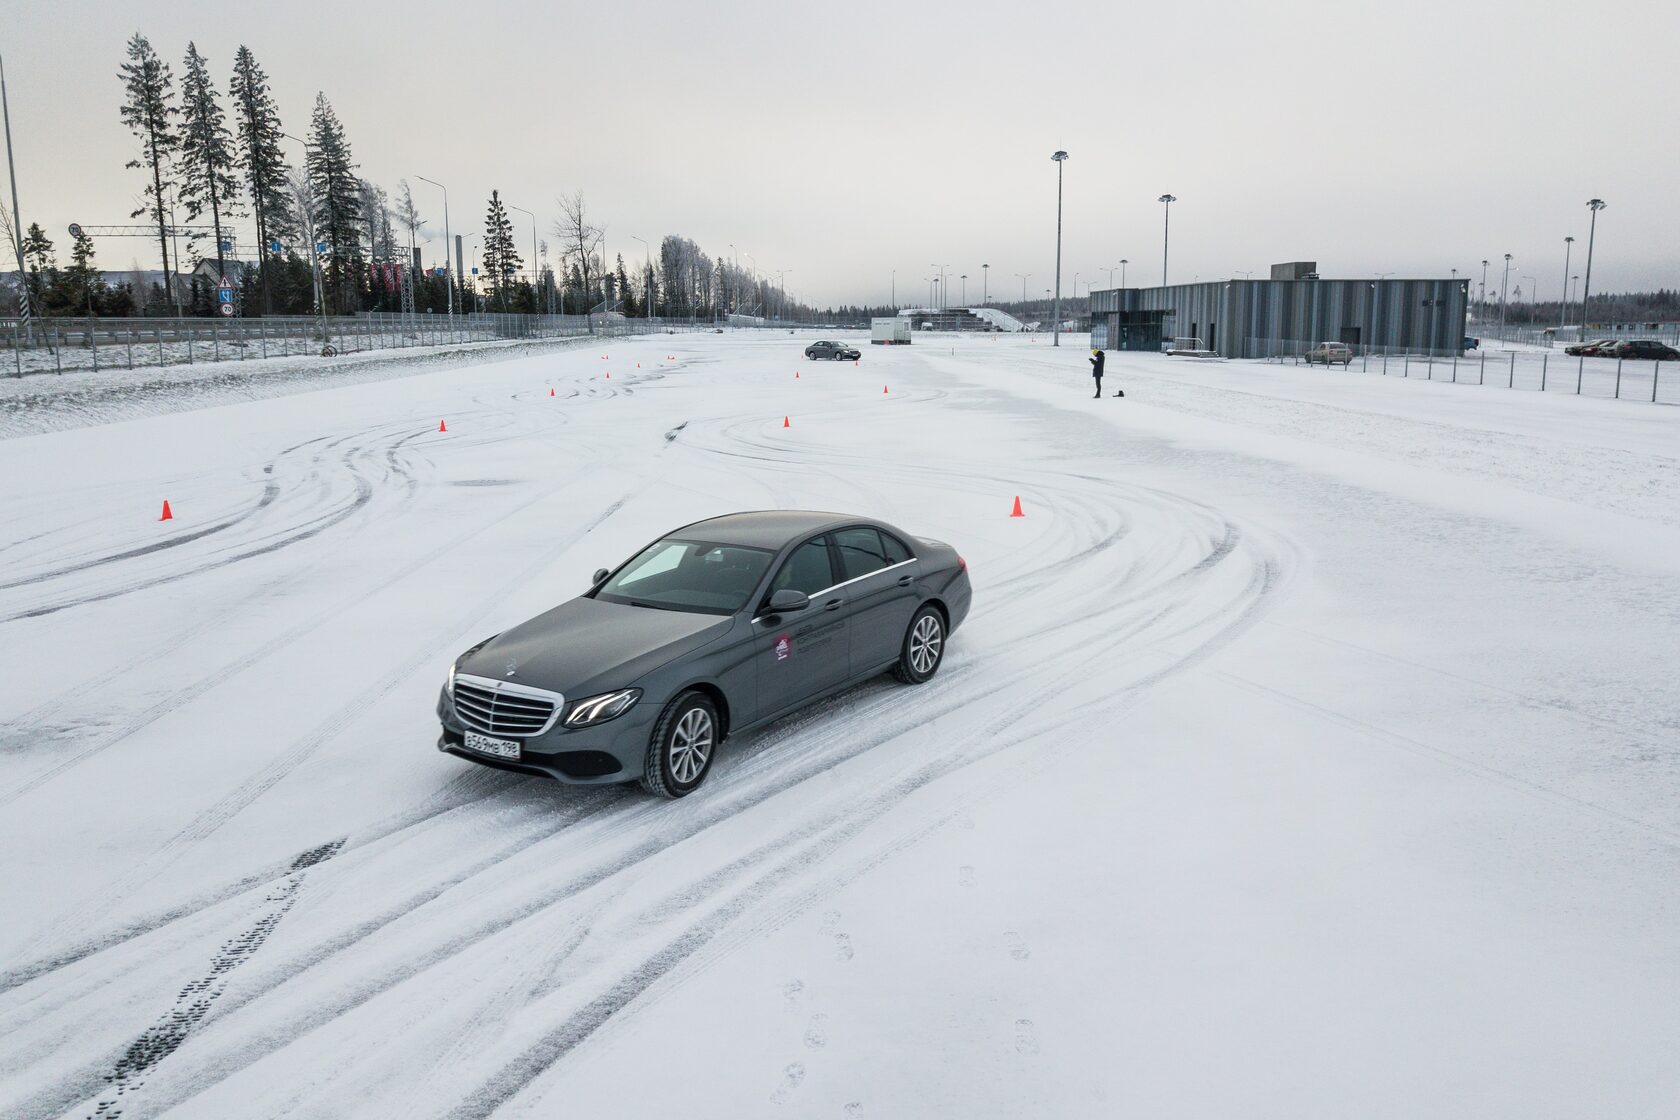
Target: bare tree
{"x":408,"y":214}
{"x":580,"y":240}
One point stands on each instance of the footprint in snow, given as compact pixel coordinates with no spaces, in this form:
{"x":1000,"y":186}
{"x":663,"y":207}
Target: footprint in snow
{"x":791,"y":992}
{"x":842,"y":947}
{"x":1016,"y":945}
{"x":854,"y":1108}
{"x":829,"y":921}
{"x":792,"y":1075}
{"x":1026,"y":1038}
{"x":816,"y":1033}
{"x":965,"y":876}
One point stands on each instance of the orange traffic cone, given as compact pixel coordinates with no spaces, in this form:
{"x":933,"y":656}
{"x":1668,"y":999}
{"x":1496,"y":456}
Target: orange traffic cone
{"x":785,"y":423}
{"x":551,"y":392}
{"x":638,"y":365}
{"x":443,"y":426}
{"x":609,"y":375}
{"x":1016,"y":512}
{"x":854,"y":365}
{"x":796,"y":375}
{"x":883,"y":388}
{"x":167,"y":516}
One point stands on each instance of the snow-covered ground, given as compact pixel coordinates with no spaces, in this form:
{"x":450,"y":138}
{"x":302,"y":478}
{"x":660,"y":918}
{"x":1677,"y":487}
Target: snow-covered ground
{"x":1312,"y":749}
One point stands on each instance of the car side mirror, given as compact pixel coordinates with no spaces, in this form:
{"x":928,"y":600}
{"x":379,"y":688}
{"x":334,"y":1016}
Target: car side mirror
{"x":787,"y":601}
{"x":600,"y":577}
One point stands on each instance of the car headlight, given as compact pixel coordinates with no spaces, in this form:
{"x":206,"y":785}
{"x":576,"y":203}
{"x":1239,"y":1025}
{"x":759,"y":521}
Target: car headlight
{"x":599,"y":709}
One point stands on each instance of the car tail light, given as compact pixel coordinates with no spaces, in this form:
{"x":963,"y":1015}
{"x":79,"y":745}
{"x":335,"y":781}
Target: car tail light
{"x":962,"y":565}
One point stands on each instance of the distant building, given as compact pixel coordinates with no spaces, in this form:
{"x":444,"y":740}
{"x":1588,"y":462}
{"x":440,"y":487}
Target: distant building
{"x":1290,"y":312}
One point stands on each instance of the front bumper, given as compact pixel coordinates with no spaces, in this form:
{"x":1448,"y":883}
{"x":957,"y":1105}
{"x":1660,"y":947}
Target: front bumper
{"x":614,"y":751}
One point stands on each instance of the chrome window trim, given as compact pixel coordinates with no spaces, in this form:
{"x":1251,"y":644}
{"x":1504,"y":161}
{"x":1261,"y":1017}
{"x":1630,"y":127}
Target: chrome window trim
{"x":843,"y":583}
{"x":512,"y":689}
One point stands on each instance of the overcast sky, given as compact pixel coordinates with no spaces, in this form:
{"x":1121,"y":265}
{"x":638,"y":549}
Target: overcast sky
{"x":848,"y":140}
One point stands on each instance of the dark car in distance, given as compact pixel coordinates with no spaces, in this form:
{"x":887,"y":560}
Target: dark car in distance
{"x":834,"y":350}
{"x":1595,"y":348}
{"x":1644,"y":350}
{"x":713,"y":629}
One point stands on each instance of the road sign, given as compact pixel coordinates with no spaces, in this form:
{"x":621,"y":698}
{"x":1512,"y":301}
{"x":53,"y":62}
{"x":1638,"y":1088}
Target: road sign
{"x":224,"y":295}
{"x":227,"y":310}
{"x":227,"y":246}
{"x":320,"y":246}
{"x":440,"y":273}
{"x":274,"y":246}
{"x":475,"y":270}
{"x":75,"y":229}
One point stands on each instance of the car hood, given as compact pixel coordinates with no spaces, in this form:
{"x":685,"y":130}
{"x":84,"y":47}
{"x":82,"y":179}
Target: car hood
{"x":586,"y":646}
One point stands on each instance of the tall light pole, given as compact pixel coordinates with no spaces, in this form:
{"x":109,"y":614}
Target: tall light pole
{"x":1533,"y":294}
{"x":647,"y":257}
{"x":1484,"y":287}
{"x":1503,"y":286}
{"x":781,"y":282}
{"x":17,"y":223}
{"x":1166,"y":228}
{"x":985,"y":287}
{"x":940,"y":290}
{"x":1123,"y":263}
{"x":1056,"y":315}
{"x":1563,"y":315}
{"x":1023,"y":276}
{"x":448,"y":273}
{"x":965,"y":288}
{"x":895,"y":291}
{"x":1595,"y":205}
{"x":534,"y":273}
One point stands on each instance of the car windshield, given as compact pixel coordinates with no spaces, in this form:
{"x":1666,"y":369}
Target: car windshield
{"x":696,"y":576}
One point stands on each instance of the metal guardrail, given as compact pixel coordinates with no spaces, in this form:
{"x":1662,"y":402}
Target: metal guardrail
{"x":59,"y":345}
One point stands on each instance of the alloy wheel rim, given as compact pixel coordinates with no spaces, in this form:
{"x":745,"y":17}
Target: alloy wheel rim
{"x":925,"y":641}
{"x":691,"y":745}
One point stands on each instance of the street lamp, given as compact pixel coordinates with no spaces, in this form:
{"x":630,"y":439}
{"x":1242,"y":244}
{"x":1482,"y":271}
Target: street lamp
{"x":533,"y":218}
{"x":1595,"y":205}
{"x":647,"y":255}
{"x":448,"y":272}
{"x":985,"y":288}
{"x":964,"y":279}
{"x":1166,"y":227}
{"x":1503,"y":286}
{"x":1563,"y":315}
{"x":1123,"y":263}
{"x":781,"y":282}
{"x":1023,"y":276}
{"x":1484,"y":287}
{"x":1246,"y":274}
{"x":1533,"y":295}
{"x":1056,"y":315}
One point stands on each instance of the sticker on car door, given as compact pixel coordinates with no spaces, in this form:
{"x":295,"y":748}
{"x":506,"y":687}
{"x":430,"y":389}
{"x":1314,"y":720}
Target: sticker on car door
{"x":784,"y":647}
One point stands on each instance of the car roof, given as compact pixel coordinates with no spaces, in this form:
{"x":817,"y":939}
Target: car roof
{"x":770,"y":528}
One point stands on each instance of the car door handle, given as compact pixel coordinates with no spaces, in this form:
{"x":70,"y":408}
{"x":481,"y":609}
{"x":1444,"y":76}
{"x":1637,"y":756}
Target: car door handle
{"x":906,"y":581}
{"x":834,"y":604}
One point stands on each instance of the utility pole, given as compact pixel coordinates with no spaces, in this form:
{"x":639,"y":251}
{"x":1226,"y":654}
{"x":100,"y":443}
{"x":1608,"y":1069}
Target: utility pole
{"x":1166,"y":228}
{"x":1595,"y":205}
{"x":985,"y":287}
{"x":534,"y":273}
{"x":1484,"y":287}
{"x":647,"y":312}
{"x":1056,"y":315}
{"x":1123,"y":263}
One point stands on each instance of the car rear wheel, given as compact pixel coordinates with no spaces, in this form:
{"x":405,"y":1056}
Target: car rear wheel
{"x":924,"y":647}
{"x":681,"y":748}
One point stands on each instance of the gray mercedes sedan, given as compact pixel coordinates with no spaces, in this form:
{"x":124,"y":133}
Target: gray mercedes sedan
{"x":719,"y":627}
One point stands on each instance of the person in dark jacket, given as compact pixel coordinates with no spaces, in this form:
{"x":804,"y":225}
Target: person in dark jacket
{"x":1096,"y":360}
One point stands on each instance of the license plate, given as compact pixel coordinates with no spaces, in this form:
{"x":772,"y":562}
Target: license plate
{"x":499,"y":748}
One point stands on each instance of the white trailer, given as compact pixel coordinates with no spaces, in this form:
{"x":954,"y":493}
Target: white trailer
{"x":889,"y":332}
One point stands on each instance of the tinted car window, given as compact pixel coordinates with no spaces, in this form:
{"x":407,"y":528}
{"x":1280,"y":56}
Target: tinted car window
{"x":807,"y":570}
{"x":894,"y":548}
{"x":689,"y":576}
{"x":860,"y":551}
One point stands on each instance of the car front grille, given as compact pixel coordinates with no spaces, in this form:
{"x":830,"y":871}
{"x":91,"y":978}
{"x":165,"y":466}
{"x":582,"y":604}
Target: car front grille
{"x":498,"y":708}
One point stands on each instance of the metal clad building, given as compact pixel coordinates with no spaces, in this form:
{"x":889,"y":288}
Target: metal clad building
{"x":1262,"y":318}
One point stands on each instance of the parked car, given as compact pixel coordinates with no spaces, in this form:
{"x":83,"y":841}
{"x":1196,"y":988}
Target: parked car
{"x":835,"y":350}
{"x":1330,"y":353}
{"x":1596,"y":348}
{"x":1471,"y":343}
{"x":1644,"y":349}
{"x":716,"y":628}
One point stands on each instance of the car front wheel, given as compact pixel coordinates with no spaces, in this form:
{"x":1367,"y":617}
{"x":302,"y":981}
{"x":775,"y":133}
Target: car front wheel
{"x":681,"y":748}
{"x":924,"y":647}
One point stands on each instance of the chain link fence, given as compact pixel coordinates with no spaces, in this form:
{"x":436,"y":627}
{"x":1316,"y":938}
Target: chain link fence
{"x":60,"y":345}
{"x":1546,"y":371}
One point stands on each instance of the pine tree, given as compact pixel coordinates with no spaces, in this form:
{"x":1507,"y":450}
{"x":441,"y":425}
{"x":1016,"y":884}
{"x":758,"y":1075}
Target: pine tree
{"x":625,"y":293}
{"x":207,"y":179}
{"x":261,"y":162}
{"x":42,"y":264}
{"x":501,"y":260}
{"x":336,"y":192}
{"x":81,"y":290}
{"x":147,"y":111}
